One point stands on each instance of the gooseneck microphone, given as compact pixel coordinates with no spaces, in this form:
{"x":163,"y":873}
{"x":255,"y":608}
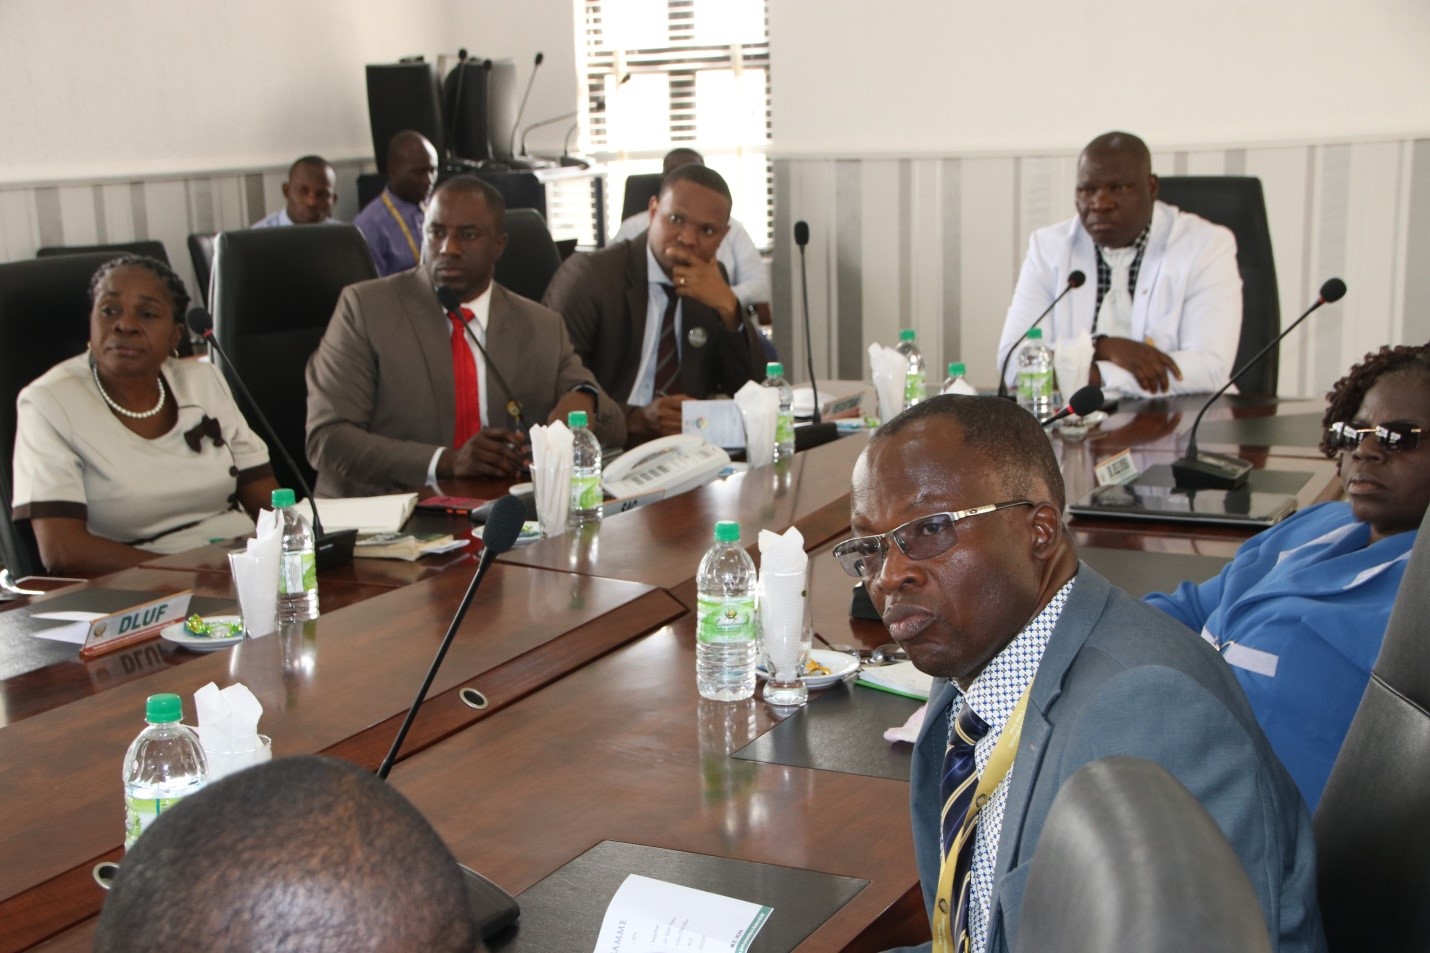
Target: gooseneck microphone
{"x":530,"y":80}
{"x":816,"y":432}
{"x":1085,"y":400}
{"x":452,"y":304}
{"x":331,"y":549}
{"x":1075,"y":280}
{"x":492,"y":907}
{"x":1217,"y":471}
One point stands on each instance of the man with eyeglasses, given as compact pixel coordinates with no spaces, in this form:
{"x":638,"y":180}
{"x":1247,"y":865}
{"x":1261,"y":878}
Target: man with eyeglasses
{"x":1040,"y":667}
{"x":399,"y":392}
{"x":1164,"y":315}
{"x":1299,"y":614}
{"x":655,"y":318}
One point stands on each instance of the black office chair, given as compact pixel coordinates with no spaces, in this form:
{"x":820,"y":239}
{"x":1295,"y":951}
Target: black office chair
{"x":274,"y":290}
{"x":44,"y":319}
{"x":153,"y":249}
{"x":201,"y":254}
{"x":1130,"y":860}
{"x":531,"y":257}
{"x":640,"y":189}
{"x":1372,"y":839}
{"x":1239,"y":203}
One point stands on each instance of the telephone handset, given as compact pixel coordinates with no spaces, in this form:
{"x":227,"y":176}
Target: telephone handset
{"x":669,"y":466}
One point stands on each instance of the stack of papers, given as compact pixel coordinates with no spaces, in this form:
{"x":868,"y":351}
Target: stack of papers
{"x":366,"y":514}
{"x":900,"y":678}
{"x":405,"y":545}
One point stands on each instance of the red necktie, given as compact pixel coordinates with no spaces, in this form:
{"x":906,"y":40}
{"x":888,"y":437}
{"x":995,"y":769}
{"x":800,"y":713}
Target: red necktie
{"x":667,"y":355}
{"x":464,"y":376}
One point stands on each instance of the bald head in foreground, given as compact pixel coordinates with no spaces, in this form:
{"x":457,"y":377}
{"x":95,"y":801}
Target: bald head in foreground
{"x":958,"y":505}
{"x":298,"y":855}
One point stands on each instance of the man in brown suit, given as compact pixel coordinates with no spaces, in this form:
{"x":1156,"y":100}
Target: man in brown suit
{"x":383,"y":411}
{"x":654,"y":318}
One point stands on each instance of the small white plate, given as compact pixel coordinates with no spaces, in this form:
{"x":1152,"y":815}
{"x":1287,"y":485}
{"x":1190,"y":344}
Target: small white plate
{"x":840,"y":667}
{"x":176,"y":633}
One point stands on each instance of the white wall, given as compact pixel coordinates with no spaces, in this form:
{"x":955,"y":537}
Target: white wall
{"x":114,"y":88}
{"x":912,"y":77}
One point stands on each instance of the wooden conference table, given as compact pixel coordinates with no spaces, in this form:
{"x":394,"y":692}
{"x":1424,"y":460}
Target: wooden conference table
{"x":583,"y":645}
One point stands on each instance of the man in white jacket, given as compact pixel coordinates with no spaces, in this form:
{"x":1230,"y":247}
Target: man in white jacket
{"x":1164,"y":313}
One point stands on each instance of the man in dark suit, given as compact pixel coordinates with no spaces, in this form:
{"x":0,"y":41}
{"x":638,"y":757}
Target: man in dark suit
{"x":1041,"y":667}
{"x":654,"y":318}
{"x":398,"y":393}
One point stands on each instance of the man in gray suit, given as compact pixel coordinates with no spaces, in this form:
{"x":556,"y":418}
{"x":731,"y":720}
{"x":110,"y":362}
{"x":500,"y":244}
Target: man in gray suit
{"x":958,"y":502}
{"x":654,"y":318}
{"x":384,"y":411}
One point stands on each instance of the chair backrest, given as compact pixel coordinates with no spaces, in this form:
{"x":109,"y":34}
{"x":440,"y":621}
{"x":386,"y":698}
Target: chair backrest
{"x":153,"y":249}
{"x":274,"y":290}
{"x":44,"y":319}
{"x":201,"y":254}
{"x":1130,"y":860}
{"x":1372,"y":839}
{"x":1239,"y":203}
{"x":530,"y":258}
{"x":640,"y":189}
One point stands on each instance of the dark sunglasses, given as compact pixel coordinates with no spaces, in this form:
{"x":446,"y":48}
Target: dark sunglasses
{"x":1396,"y":435}
{"x":920,"y":538}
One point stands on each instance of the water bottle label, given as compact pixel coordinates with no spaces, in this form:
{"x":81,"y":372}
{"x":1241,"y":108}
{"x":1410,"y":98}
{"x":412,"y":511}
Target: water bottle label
{"x":140,"y":813}
{"x":1035,"y":385}
{"x":298,"y":573}
{"x":585,"y":491}
{"x":913,"y":387}
{"x":725,"y":620}
{"x":784,"y":428}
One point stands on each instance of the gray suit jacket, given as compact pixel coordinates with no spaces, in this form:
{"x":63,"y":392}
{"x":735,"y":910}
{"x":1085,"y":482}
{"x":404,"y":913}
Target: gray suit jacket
{"x":1116,"y":679}
{"x":603,"y":297}
{"x":381,"y":397}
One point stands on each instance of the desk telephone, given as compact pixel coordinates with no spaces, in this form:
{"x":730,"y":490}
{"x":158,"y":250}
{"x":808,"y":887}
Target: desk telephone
{"x":667,"y":466}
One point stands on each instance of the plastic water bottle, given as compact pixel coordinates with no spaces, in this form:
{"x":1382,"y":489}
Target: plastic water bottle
{"x":1037,"y":390}
{"x":726,"y":639}
{"x":586,"y":495}
{"x":955,"y":383}
{"x":298,"y":565}
{"x":784,"y":423}
{"x":914,"y":386}
{"x":163,"y":765}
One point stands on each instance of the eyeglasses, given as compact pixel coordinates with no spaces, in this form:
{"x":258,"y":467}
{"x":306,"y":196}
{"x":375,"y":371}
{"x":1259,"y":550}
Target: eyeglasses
{"x":921,"y":538}
{"x":1396,"y":435}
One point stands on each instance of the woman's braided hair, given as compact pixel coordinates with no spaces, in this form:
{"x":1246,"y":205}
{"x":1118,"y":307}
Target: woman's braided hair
{"x":1344,"y":400}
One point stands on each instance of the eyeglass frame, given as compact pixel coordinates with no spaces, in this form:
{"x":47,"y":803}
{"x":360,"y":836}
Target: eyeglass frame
{"x":1389,"y":440}
{"x":955,"y":516}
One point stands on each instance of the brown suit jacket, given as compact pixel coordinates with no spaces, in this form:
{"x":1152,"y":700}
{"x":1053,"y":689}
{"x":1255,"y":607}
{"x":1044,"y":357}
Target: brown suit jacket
{"x":381,"y":397}
{"x":603,"y":297}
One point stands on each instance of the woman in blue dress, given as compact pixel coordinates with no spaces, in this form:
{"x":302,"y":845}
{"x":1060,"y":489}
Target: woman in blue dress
{"x":1301,"y":610}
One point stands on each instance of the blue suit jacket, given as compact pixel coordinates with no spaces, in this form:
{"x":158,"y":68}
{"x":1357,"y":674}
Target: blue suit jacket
{"x":1120,"y":678}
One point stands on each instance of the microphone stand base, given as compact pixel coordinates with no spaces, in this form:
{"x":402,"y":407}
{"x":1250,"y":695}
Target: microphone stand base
{"x":493,"y":909}
{"x":807,"y":436}
{"x":335,"y":549}
{"x":1210,"y":471}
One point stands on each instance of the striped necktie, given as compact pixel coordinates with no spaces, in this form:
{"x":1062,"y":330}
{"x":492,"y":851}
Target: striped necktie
{"x":667,"y":355}
{"x":960,"y":777}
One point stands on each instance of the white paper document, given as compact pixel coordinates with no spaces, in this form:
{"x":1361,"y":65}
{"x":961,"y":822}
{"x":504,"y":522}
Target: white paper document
{"x":652,"y":916}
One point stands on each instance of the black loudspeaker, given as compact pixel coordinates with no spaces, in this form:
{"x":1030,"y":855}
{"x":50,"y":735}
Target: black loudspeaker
{"x":402,"y":96}
{"x":464,"y":104}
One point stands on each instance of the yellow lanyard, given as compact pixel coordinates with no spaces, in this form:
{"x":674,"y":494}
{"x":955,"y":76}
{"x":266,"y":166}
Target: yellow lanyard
{"x":999,"y":763}
{"x":406,"y":233}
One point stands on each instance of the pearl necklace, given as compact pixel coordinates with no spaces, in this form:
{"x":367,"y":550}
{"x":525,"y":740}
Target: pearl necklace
{"x":133,"y":414}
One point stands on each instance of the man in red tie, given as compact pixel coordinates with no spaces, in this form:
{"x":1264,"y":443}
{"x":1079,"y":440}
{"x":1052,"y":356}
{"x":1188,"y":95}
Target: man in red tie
{"x":401,"y":392}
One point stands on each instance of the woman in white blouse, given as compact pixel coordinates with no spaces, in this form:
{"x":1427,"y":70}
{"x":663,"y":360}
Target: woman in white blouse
{"x":123,"y":452}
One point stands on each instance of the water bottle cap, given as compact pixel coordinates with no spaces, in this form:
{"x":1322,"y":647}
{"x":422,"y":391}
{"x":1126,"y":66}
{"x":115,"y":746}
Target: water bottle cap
{"x":907,"y":334}
{"x":1035,"y":334}
{"x":282,"y":498}
{"x":727,"y":531}
{"x":577,"y":418}
{"x":955,"y":369}
{"x":774,"y":369}
{"x":162,"y":709}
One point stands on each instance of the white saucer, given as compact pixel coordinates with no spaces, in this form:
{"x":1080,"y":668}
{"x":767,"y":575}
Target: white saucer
{"x":840,"y":667}
{"x":176,"y":633}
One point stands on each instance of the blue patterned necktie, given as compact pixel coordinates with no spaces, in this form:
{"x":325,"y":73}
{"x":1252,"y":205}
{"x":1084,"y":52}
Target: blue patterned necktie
{"x":960,"y":778}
